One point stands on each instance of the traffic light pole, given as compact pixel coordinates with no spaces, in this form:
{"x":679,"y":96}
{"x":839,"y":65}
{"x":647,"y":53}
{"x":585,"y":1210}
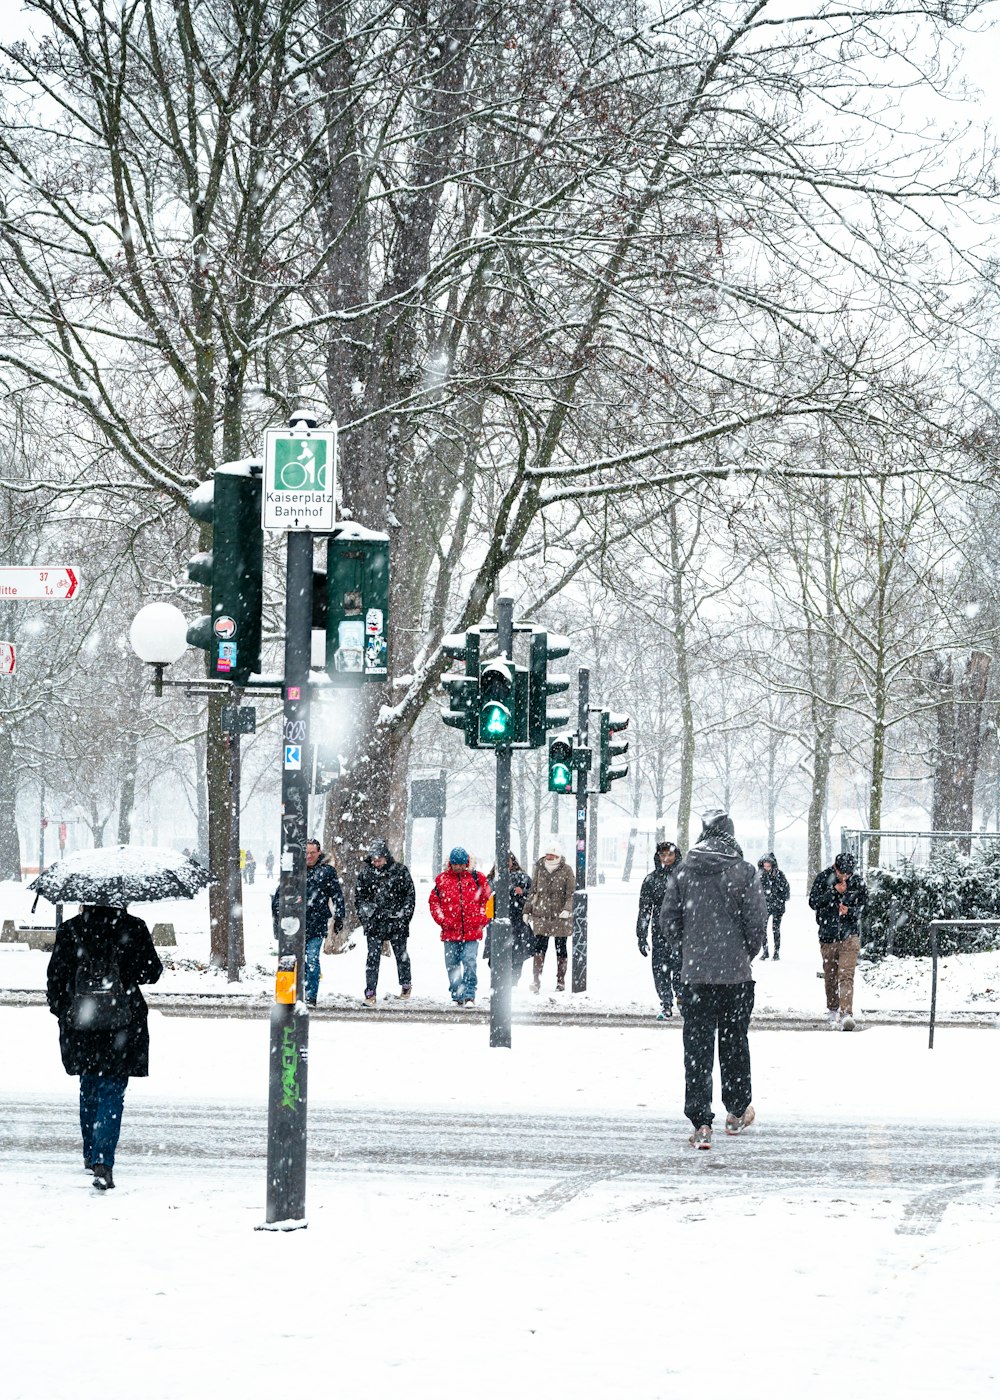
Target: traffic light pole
{"x":500,"y":933}
{"x":287,"y":1083}
{"x":579,"y":983}
{"x":234,"y":926}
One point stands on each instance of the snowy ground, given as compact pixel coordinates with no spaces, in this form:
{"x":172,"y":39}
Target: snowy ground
{"x":618,"y":979}
{"x":846,"y":1245}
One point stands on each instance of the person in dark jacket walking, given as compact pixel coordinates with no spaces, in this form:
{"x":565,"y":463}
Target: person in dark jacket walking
{"x":99,"y":959}
{"x":714,"y":914}
{"x":522,"y":938}
{"x":839,"y":897}
{"x":666,"y":964}
{"x":384,"y":900}
{"x":776,"y":895}
{"x":324,"y":896}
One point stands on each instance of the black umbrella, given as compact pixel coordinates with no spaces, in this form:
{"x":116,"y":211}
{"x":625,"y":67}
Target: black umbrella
{"x":121,"y":875}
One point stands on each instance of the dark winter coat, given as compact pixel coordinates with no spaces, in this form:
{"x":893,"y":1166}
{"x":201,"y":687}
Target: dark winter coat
{"x":118,"y":1054}
{"x":654,"y":887}
{"x":522,"y":937}
{"x":833,"y":926}
{"x":774,"y":883}
{"x":713,"y":913}
{"x":458,"y":904}
{"x":550,"y":898}
{"x":323,"y":888}
{"x":384,"y":898}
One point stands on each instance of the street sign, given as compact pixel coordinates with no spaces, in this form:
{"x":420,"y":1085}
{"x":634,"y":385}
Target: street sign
{"x":46,"y":582}
{"x":8,"y":658}
{"x":300,"y":478}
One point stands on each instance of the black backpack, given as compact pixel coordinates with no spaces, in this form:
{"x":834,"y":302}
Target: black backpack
{"x":100,"y":1002}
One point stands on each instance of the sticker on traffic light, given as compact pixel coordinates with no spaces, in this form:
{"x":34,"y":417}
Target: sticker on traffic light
{"x":496,"y":704}
{"x":561,"y":765}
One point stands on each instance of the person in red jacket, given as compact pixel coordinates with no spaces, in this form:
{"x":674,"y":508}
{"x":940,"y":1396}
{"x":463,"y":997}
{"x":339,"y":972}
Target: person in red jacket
{"x":458,"y":905}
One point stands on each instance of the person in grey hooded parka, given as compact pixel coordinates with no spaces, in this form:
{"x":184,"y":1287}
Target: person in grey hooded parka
{"x":714,"y":915}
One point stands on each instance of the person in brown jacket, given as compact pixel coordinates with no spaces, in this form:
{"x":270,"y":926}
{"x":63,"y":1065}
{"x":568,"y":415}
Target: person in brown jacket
{"x":549,"y":910}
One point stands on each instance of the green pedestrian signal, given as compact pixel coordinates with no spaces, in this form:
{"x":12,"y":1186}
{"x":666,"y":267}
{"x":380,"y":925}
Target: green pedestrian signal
{"x":561,"y":764}
{"x":497,"y":704}
{"x":610,"y":771}
{"x":232,"y":571}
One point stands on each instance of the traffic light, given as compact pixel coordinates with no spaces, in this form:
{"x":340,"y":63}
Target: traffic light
{"x":497,"y":704}
{"x":561,"y":764}
{"x":356,"y":616}
{"x":609,"y":771}
{"x":545,"y":647}
{"x":233,"y":571}
{"x":463,"y":686}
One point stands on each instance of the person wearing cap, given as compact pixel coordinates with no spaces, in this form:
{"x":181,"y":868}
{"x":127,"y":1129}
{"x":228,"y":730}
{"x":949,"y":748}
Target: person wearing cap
{"x":549,"y":909}
{"x":324,"y":898}
{"x":384,"y":900}
{"x":839,"y":897}
{"x":666,"y":967}
{"x":714,"y":917}
{"x":458,"y":902}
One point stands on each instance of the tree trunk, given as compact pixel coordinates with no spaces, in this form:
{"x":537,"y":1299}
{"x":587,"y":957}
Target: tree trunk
{"x":683,"y":688}
{"x":10,"y":845}
{"x":959,"y":723}
{"x":126,"y":798}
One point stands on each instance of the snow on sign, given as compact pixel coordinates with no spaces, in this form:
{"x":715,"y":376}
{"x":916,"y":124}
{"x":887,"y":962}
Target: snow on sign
{"x":300,"y":478}
{"x":46,"y":582}
{"x":8,"y":658}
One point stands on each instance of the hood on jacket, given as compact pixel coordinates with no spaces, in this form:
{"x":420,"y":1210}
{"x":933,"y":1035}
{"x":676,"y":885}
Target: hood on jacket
{"x":718,"y":836}
{"x":711,"y":856}
{"x":771,"y":857}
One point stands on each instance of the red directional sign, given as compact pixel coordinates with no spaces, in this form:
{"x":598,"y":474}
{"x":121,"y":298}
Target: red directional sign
{"x":8,"y":658}
{"x":47,"y":582}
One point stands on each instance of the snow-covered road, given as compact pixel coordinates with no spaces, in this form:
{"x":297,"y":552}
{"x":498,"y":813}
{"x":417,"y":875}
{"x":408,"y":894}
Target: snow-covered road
{"x":526,"y":1222}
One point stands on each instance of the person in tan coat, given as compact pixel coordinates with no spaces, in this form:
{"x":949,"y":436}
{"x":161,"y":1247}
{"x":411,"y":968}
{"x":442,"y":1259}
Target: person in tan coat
{"x":549,"y":910}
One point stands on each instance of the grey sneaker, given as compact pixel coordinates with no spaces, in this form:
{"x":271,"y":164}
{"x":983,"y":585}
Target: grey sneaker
{"x":736,"y":1123}
{"x":848,"y":1022}
{"x":701,"y":1138}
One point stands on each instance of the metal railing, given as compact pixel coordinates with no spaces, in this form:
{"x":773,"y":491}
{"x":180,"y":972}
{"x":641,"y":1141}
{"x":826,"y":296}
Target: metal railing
{"x":913,"y":846}
{"x":934,"y":925}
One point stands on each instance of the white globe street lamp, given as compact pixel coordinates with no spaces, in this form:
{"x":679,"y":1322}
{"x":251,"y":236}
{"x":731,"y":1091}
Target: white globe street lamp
{"x":158,"y":636}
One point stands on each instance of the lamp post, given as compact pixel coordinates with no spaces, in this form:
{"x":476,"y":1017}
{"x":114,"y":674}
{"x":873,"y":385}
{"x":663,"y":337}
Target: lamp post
{"x":158,"y":636}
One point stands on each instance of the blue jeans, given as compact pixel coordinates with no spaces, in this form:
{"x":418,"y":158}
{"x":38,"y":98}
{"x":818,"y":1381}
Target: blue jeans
{"x":460,"y":960}
{"x":101,"y":1102}
{"x":314,"y":947}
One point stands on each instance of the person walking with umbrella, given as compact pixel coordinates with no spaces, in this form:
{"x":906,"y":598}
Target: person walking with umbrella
{"x":99,"y":960}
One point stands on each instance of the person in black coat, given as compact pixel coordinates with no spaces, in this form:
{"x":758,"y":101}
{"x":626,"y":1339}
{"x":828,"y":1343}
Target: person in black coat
{"x":777,"y":892}
{"x":522,"y":937}
{"x":839,"y":897}
{"x":666,"y":962}
{"x":324,"y":899}
{"x":98,"y":961}
{"x":384,"y":899}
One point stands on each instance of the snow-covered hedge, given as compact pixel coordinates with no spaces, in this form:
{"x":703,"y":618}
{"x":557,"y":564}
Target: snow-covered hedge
{"x":903,"y":899}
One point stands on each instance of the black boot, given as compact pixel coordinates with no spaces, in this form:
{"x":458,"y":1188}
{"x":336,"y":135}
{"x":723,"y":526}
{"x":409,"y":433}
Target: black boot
{"x":103,"y":1179}
{"x":764,"y":955}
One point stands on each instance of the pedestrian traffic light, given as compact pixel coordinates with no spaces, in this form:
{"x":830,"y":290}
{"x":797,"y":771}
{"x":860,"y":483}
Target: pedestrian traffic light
{"x":609,"y":771}
{"x":561,"y":763}
{"x":357,"y":606}
{"x":497,"y":704}
{"x":232,"y":571}
{"x":463,"y":686}
{"x":545,"y":647}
